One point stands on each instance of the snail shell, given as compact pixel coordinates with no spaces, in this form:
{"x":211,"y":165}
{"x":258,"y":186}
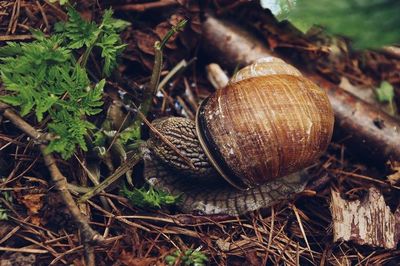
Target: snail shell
{"x":268,"y":122}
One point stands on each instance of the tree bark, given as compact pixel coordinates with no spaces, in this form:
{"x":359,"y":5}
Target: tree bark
{"x":366,"y":222}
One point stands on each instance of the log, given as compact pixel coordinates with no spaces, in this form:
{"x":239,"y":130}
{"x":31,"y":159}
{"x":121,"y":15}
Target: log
{"x":367,"y":130}
{"x":365,"y":222}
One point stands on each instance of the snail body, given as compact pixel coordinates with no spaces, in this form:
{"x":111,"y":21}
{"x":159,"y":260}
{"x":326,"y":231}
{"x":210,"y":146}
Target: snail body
{"x":258,"y":133}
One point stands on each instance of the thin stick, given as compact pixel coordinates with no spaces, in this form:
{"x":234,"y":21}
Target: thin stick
{"x":365,"y":178}
{"x":271,"y":232}
{"x":43,"y":15}
{"x":296,"y":212}
{"x":61,"y":184}
{"x":72,"y":250}
{"x":20,"y":37}
{"x":12,"y":18}
{"x":20,"y":123}
{"x":146,"y":6}
{"x":152,"y":88}
{"x":126,"y":166}
{"x":12,"y":232}
{"x":181,"y":65}
{"x":216,"y":76}
{"x":24,"y":250}
{"x":60,"y":181}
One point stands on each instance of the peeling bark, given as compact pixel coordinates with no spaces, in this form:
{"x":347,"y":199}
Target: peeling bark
{"x":365,"y":222}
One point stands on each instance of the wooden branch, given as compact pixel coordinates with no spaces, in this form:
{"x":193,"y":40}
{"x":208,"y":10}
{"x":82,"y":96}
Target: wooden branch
{"x":146,"y":6}
{"x":368,"y":131}
{"x":21,"y":124}
{"x":216,"y":76}
{"x":60,"y":181}
{"x":366,"y":222}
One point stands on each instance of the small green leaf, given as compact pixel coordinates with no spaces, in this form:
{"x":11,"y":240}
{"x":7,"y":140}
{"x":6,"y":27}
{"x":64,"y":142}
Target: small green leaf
{"x":7,"y":196}
{"x":37,"y":34}
{"x":112,"y":24}
{"x":13,"y":100}
{"x":189,"y":257}
{"x":11,"y":49}
{"x":62,"y":2}
{"x":130,"y":134}
{"x":385,"y":92}
{"x":78,"y":31}
{"x":152,"y":198}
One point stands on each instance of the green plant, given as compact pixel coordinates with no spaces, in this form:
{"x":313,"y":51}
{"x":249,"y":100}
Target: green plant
{"x":6,"y":196}
{"x":369,"y":23}
{"x":62,"y":2}
{"x":45,"y":76}
{"x":151,"y":197}
{"x":189,"y":257}
{"x":385,"y":94}
{"x":79,"y":33}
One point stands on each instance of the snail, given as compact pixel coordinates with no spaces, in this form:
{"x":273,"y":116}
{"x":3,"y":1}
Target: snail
{"x":250,"y":144}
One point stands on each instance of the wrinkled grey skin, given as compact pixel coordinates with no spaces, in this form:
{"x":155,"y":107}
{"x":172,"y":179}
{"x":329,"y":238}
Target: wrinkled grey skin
{"x":202,"y":190}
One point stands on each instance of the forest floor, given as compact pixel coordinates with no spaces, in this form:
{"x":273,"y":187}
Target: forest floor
{"x":39,"y":229}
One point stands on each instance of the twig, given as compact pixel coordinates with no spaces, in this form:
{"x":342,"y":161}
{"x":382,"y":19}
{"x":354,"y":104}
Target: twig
{"x":365,"y":178}
{"x":296,"y":212}
{"x":152,"y":88}
{"x":65,"y":253}
{"x":43,"y":15}
{"x":62,"y":186}
{"x":126,"y":166}
{"x":12,"y":18}
{"x":21,"y":37}
{"x":15,"y":19}
{"x":216,"y":76}
{"x":189,"y":93}
{"x":271,"y":232}
{"x":185,"y":108}
{"x":60,"y":13}
{"x":181,"y":65}
{"x":24,"y":250}
{"x":89,"y":255}
{"x":94,"y":179}
{"x":60,"y":181}
{"x":21,"y":124}
{"x":119,"y":218}
{"x":146,"y":6}
{"x":12,"y":232}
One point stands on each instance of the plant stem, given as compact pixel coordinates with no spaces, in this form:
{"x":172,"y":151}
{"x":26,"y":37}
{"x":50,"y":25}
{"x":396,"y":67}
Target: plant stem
{"x":181,"y":24}
{"x":126,"y":166}
{"x":152,"y":88}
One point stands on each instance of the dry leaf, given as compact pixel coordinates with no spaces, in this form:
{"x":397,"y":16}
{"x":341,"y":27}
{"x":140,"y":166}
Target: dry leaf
{"x":33,"y":202}
{"x":129,"y":259}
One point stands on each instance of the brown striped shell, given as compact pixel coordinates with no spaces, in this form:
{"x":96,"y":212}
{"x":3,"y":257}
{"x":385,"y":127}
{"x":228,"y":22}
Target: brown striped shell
{"x":268,"y":122}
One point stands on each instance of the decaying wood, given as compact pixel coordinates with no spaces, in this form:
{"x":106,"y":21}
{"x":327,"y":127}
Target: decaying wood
{"x":216,"y":76}
{"x":369,"y":131}
{"x":365,"y":222}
